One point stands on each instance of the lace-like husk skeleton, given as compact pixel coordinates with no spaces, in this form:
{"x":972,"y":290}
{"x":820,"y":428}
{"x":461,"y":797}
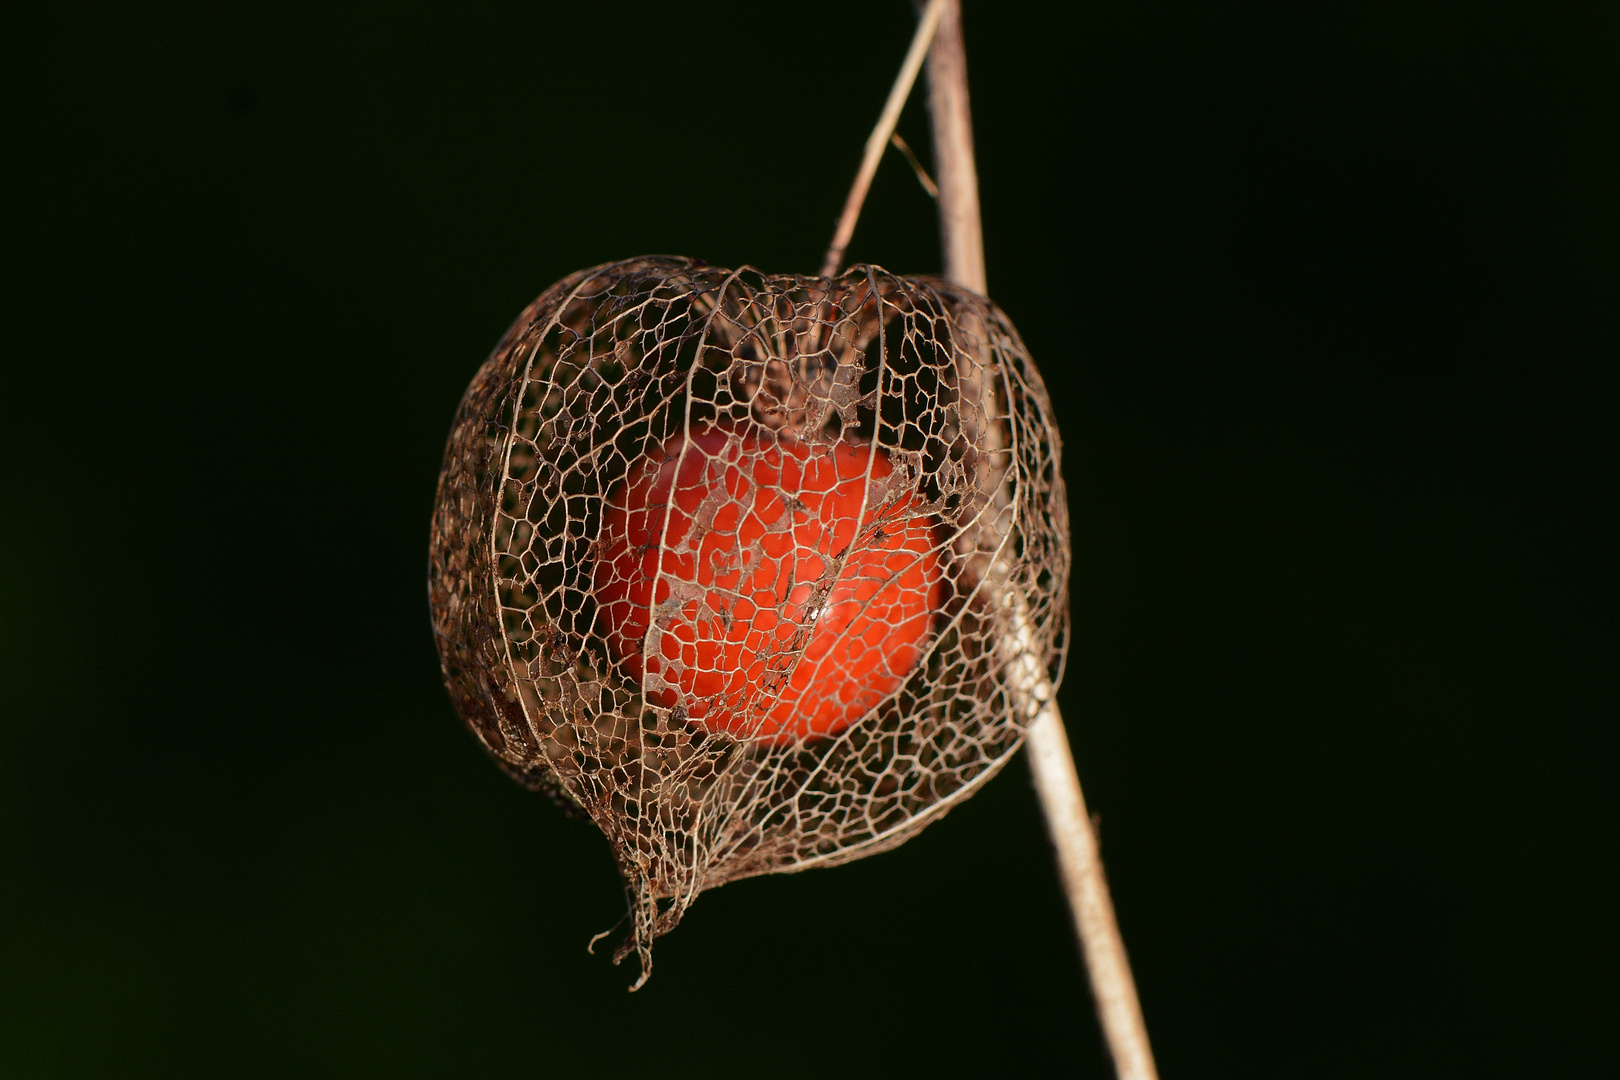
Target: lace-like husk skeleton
{"x":608,"y":366}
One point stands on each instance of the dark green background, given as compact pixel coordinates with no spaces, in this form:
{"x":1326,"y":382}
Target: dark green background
{"x":1326,"y":296}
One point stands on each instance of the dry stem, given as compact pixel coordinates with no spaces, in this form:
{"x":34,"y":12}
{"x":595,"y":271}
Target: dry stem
{"x":960,"y":232}
{"x":1050,"y":759}
{"x":1089,"y":902}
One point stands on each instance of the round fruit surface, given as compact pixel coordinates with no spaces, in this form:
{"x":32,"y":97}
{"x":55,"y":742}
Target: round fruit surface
{"x":785,"y":607}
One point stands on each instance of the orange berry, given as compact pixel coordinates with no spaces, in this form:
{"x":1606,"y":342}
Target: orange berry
{"x":784,"y":611}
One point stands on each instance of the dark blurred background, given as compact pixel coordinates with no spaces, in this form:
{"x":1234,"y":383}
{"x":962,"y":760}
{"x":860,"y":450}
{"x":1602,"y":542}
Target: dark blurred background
{"x":1326,"y":296}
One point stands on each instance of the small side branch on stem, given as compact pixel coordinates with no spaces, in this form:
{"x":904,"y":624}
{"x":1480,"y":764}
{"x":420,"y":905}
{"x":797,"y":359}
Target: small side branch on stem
{"x":879,"y":139}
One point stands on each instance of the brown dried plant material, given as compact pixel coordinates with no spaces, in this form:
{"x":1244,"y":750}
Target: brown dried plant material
{"x":730,"y":563}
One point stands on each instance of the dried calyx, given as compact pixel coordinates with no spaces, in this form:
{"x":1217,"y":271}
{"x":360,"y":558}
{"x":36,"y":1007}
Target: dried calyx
{"x":727,"y":562}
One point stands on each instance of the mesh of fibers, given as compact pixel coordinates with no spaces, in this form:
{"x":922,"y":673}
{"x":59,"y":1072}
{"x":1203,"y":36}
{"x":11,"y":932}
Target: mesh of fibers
{"x":751,"y":570}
